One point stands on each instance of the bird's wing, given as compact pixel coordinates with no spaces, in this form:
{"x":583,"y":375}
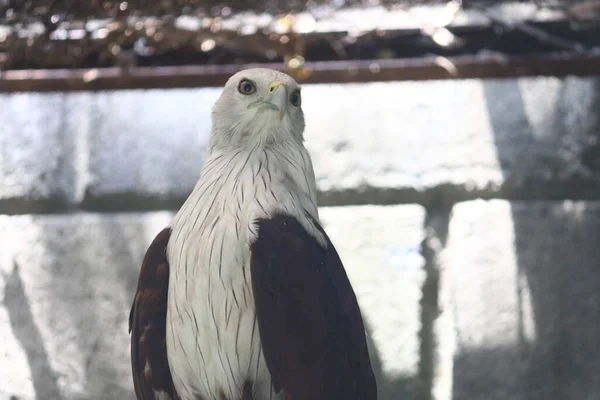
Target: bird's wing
{"x":147,"y":325}
{"x":310,"y":324}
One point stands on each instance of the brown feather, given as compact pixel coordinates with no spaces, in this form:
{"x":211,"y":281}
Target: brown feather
{"x":310,"y":324}
{"x":147,"y":324}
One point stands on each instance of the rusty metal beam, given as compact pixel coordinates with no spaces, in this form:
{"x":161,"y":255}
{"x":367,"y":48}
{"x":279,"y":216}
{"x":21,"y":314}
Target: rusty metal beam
{"x":463,"y":67}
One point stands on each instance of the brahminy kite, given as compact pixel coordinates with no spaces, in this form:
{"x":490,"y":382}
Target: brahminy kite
{"x":243,"y":296}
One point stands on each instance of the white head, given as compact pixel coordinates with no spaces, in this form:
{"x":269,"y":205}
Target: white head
{"x":258,"y":105}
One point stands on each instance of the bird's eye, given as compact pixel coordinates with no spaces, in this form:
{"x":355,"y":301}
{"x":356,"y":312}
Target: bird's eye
{"x":246,"y":87}
{"x":295,"y":98}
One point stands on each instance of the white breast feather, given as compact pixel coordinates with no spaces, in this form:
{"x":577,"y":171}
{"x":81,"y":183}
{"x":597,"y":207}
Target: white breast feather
{"x":212,"y":336}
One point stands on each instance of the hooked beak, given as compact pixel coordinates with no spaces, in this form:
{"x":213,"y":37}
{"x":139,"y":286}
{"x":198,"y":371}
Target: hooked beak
{"x":278,"y":98}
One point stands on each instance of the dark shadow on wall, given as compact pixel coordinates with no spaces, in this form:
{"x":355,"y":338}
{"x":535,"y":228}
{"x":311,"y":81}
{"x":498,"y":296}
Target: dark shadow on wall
{"x":401,"y":387}
{"x":558,"y":155}
{"x":491,"y":374}
{"x":557,"y":251}
{"x":557,"y":254}
{"x":27,"y":333}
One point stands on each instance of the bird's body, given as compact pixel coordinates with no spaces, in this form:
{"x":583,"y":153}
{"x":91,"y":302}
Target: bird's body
{"x":258,"y":305}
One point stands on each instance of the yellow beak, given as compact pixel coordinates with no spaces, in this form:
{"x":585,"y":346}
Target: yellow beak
{"x":277,"y":98}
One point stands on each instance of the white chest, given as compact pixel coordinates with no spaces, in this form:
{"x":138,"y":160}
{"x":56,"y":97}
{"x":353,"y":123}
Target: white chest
{"x":213,"y":342}
{"x":212,"y":334}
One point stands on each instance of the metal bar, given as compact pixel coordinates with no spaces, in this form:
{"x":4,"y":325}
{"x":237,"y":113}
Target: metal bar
{"x":462,"y":67}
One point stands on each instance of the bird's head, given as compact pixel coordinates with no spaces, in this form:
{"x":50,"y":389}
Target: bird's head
{"x":258,"y":105}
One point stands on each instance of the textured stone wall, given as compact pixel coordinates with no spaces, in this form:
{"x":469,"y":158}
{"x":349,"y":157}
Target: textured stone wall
{"x":467,"y":214}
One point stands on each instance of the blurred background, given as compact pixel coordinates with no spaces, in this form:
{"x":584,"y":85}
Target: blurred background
{"x":457,"y":153}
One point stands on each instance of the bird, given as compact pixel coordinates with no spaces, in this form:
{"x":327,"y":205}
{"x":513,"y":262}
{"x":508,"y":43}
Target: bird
{"x":243,"y":296}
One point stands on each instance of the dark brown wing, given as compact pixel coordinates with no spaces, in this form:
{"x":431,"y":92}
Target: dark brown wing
{"x":147,"y":325}
{"x":310,"y":324}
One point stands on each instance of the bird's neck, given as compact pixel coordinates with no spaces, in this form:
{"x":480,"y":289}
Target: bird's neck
{"x":250,"y":182}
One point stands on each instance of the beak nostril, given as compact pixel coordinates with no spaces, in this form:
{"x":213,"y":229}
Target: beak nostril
{"x":272,"y":88}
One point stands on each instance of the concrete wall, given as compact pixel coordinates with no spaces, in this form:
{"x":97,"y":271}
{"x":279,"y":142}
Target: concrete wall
{"x":467,"y":214}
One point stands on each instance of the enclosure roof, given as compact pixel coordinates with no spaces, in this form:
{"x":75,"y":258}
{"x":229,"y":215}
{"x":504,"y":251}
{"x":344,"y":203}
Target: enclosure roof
{"x":24,"y":11}
{"x":129,"y":34}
